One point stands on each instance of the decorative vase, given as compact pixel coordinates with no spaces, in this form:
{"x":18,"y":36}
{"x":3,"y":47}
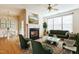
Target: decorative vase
{"x":45,"y":27}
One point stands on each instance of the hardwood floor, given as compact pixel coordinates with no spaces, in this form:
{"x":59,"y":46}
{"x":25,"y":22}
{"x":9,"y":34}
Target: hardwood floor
{"x":11,"y":46}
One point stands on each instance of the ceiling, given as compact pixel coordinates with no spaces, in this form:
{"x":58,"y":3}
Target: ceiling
{"x":43,"y":11}
{"x":12,"y":12}
{"x":40,"y":9}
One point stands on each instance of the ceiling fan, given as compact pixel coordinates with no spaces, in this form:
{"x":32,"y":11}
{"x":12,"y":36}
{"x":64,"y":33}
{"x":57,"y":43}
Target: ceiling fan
{"x":52,"y":7}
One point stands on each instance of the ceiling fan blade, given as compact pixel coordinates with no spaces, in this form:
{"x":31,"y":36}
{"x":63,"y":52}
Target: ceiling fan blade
{"x":53,"y":5}
{"x":55,"y":9}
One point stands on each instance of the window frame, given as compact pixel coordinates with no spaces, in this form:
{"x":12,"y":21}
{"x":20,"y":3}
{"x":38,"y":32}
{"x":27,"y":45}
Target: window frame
{"x":62,"y":23}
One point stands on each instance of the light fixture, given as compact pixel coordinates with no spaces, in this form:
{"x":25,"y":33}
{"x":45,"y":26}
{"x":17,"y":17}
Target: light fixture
{"x":49,"y":7}
{"x":52,"y":7}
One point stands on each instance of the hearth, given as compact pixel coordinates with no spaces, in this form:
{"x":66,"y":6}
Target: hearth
{"x":34,"y":33}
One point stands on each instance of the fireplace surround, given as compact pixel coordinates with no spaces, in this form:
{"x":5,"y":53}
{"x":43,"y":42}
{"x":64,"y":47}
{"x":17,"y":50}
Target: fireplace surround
{"x":34,"y":33}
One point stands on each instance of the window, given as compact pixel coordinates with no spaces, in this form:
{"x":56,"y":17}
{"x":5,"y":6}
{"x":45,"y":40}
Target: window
{"x":61,"y":23}
{"x":50,"y":24}
{"x":2,"y":23}
{"x":67,"y":23}
{"x":8,"y":22}
{"x":57,"y":23}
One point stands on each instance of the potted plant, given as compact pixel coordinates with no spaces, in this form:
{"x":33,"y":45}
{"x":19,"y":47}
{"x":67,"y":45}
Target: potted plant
{"x":45,"y":27}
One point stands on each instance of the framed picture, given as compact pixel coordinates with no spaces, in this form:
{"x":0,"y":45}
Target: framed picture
{"x":33,"y":19}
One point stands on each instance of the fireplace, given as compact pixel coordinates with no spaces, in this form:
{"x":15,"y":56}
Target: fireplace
{"x":34,"y":33}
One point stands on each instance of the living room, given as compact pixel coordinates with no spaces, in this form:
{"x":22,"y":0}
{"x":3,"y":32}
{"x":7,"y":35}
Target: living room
{"x":54,"y":26}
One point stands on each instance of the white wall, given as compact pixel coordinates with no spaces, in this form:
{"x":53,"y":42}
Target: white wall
{"x":76,"y":21}
{"x":41,"y":26}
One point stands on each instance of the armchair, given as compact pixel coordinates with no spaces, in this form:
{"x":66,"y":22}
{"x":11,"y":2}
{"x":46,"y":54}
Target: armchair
{"x":23,"y":42}
{"x":37,"y":48}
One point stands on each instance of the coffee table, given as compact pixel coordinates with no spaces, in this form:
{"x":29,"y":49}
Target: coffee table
{"x":53,"y":39}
